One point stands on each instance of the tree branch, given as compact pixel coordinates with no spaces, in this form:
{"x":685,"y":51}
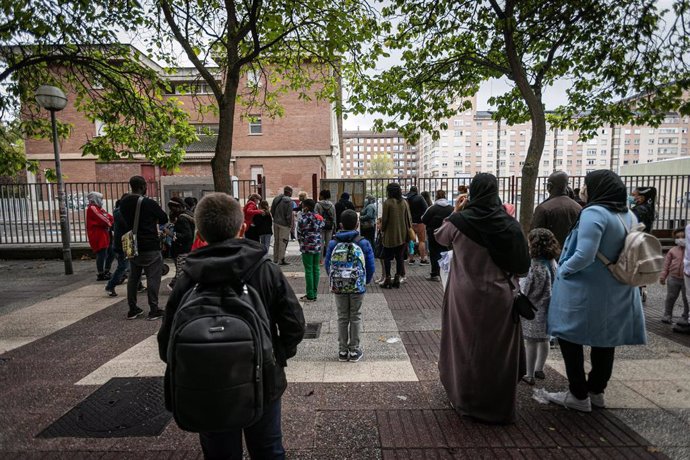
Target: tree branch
{"x":184,"y":42}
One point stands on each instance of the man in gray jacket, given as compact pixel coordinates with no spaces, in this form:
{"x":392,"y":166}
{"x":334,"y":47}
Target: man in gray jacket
{"x":281,"y":210}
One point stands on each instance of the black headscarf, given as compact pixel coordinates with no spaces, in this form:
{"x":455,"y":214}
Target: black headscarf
{"x":485,"y":221}
{"x":606,"y":189}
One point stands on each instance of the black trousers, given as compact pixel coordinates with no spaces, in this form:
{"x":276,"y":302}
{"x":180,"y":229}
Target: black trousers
{"x":602,"y":367}
{"x":397,"y":253}
{"x":435,"y":251}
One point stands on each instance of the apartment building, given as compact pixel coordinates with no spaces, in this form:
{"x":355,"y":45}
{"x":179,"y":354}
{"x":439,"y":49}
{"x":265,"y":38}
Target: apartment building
{"x":360,"y":147}
{"x":287,"y":150}
{"x":474,"y":142}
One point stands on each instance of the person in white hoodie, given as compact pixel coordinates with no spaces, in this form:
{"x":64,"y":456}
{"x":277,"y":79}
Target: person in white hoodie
{"x":433,"y":219}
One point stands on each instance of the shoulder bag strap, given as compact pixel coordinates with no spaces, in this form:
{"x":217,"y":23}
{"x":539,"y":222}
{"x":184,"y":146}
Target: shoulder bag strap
{"x":601,"y":256}
{"x":135,"y":227}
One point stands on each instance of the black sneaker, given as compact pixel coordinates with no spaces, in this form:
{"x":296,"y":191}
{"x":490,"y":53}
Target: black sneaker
{"x":356,"y":356}
{"x":134,"y":314}
{"x":103,"y":277}
{"x":539,"y":375}
{"x":154,"y":315}
{"x":424,"y":262}
{"x":432,"y":278}
{"x":111,"y":292}
{"x":283,"y":262}
{"x":343,"y":356}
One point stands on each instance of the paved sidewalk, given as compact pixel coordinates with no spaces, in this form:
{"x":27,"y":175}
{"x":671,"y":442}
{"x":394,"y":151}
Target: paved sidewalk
{"x":391,"y":405}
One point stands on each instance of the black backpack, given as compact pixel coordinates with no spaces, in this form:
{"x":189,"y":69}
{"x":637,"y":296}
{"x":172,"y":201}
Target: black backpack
{"x":220,"y":357}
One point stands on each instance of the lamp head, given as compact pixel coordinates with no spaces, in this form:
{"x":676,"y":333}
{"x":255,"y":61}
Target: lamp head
{"x":51,"y":98}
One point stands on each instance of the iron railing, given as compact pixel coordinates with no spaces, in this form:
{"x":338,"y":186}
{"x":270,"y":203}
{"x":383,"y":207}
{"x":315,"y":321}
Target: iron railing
{"x":30,"y":214}
{"x":672,"y":202}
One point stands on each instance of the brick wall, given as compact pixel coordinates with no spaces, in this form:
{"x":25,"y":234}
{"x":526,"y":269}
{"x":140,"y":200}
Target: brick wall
{"x":279,"y":172}
{"x":117,"y":171}
{"x":72,"y":170}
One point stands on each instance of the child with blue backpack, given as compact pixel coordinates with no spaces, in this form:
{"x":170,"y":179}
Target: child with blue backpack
{"x":350,"y":266}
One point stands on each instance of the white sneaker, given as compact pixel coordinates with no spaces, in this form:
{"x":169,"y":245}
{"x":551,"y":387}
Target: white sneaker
{"x":597,"y":400}
{"x":569,"y":401}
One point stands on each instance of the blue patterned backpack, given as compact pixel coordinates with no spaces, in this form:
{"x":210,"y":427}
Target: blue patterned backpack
{"x":348,"y":273}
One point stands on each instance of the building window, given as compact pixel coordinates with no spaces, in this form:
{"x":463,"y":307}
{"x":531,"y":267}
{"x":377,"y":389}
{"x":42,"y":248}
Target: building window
{"x":254,"y":79}
{"x":255,"y":171}
{"x":255,"y":125}
{"x":100,"y":127}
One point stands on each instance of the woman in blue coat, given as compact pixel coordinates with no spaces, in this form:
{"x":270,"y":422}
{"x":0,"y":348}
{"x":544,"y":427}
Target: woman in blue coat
{"x":588,"y":305}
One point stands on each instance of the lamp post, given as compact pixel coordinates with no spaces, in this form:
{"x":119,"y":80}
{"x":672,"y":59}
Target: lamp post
{"x":54,"y":100}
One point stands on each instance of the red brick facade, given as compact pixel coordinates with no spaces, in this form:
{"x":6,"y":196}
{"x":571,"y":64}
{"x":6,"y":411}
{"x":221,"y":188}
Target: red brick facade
{"x":289,"y":149}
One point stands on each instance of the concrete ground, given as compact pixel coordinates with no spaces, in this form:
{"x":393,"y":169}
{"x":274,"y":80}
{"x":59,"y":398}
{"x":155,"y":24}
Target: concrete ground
{"x":61,"y":339}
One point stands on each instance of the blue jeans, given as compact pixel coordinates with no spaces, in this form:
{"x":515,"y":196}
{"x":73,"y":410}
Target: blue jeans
{"x":122,"y":267}
{"x":104,"y":259}
{"x":266,"y":240}
{"x":264,"y":439}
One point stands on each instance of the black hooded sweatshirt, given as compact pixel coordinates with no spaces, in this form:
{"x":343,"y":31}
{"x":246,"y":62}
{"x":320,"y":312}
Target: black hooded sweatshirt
{"x":227,"y":262}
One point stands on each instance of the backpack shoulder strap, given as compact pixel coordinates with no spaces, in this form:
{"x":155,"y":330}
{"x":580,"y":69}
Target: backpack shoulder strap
{"x":358,"y":238}
{"x":601,"y":256}
{"x":253,"y":270}
{"x":135,"y":227}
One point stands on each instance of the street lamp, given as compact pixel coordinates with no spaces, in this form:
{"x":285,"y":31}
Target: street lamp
{"x":54,"y":100}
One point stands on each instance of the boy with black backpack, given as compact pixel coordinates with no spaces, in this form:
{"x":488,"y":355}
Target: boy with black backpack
{"x":350,"y":266}
{"x":231,"y":324}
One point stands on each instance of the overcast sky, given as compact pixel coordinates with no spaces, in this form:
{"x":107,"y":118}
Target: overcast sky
{"x":553,"y":97}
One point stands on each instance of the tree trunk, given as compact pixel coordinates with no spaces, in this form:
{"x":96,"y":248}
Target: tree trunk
{"x":532,"y":96}
{"x":220,"y":164}
{"x":530,"y":170}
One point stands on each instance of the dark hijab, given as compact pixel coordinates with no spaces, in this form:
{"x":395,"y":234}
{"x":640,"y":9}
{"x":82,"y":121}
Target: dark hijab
{"x":485,"y":221}
{"x":606,"y":189}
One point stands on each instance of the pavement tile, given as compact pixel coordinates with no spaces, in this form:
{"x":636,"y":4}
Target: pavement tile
{"x":659,"y":427}
{"x":371,"y":396}
{"x":301,"y":395}
{"x":621,"y":396}
{"x":668,"y":394}
{"x":425,"y":370}
{"x":335,"y":453}
{"x":362,"y":420}
{"x":299,"y":428}
{"x":350,"y":430}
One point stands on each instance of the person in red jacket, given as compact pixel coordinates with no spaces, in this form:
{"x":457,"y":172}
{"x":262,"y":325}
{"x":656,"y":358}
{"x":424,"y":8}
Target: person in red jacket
{"x":251,"y":209}
{"x":98,"y":225}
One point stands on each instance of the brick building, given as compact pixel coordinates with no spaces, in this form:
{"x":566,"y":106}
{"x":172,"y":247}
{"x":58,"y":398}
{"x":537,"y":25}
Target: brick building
{"x":361,"y":147}
{"x":286,"y":150}
{"x":474,"y":142}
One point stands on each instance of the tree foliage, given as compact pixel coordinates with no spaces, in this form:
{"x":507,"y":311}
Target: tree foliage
{"x":607,"y":50}
{"x":381,"y":165}
{"x":283,"y":46}
{"x":74,"y":45}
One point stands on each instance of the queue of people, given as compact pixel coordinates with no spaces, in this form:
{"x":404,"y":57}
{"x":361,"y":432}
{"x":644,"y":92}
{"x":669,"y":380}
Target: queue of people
{"x":486,"y":348}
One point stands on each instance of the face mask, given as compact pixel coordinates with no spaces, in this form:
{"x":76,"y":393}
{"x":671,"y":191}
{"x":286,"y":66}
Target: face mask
{"x":680,"y":242}
{"x":583,"y":194}
{"x":631,"y":200}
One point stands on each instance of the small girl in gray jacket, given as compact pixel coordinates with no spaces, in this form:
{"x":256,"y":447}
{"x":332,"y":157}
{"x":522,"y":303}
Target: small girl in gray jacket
{"x":544,"y":250}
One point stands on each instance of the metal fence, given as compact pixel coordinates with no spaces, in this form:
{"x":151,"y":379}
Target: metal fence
{"x":30,"y":213}
{"x":672,"y":202}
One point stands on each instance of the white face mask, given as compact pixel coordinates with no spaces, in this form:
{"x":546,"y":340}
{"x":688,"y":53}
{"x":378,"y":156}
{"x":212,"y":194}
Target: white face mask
{"x":583,"y":193}
{"x":680,"y":242}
